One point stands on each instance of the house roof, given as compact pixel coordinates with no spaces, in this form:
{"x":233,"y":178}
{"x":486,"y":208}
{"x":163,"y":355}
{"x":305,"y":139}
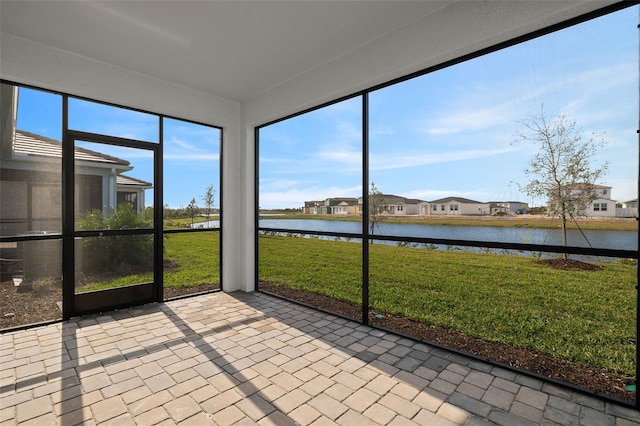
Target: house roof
{"x":123,"y":180}
{"x":594,"y":186}
{"x":458,"y":199}
{"x":33,"y":145}
{"x":397,"y":199}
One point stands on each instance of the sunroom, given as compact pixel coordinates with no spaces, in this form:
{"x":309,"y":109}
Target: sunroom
{"x":228,"y":116}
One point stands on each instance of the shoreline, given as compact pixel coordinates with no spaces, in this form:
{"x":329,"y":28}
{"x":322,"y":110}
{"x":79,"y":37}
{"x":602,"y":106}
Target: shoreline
{"x":520,"y":221}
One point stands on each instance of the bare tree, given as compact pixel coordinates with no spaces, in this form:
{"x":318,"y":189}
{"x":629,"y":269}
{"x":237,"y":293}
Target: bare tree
{"x":562,"y":169}
{"x":192,"y":209}
{"x":208,"y":199}
{"x":376,"y":207}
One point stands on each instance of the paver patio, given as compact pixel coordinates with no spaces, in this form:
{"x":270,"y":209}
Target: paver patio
{"x":247,"y":359}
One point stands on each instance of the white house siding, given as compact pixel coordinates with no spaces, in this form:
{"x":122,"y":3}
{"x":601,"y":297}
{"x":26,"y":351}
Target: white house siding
{"x":450,"y":208}
{"x":403,"y":209}
{"x":597,"y":208}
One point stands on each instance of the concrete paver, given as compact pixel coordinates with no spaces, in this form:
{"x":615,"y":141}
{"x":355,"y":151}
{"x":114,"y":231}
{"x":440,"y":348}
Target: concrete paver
{"x":241,"y":359}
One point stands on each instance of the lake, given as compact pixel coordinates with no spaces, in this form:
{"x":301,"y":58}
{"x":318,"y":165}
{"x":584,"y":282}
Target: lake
{"x":618,"y":240}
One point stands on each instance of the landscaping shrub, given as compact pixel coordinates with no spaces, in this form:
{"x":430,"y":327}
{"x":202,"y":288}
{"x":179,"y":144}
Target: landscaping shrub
{"x":117,"y":252}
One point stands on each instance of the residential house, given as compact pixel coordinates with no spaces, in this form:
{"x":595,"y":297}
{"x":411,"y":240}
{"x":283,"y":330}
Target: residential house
{"x":455,"y":206}
{"x":338,"y":205}
{"x":395,"y":205}
{"x":30,"y":166}
{"x":601,"y":204}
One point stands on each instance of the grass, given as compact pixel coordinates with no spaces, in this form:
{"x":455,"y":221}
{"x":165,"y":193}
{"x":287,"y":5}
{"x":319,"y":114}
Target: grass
{"x":186,"y":222}
{"x":197,"y":257}
{"x":585,"y":317}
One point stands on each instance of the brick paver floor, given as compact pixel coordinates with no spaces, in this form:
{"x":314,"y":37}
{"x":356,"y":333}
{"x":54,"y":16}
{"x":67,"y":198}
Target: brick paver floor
{"x":224,"y":359}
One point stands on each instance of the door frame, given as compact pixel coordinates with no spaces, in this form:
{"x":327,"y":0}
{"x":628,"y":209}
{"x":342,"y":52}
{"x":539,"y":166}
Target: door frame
{"x":109,"y":299}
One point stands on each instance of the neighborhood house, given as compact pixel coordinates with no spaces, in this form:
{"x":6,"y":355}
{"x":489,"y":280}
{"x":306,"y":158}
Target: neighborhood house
{"x":394,"y":205}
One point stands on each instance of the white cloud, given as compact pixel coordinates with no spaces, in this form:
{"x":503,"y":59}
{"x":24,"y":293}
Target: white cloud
{"x":180,"y":150}
{"x":295,"y":198}
{"x":492,"y":104}
{"x":387,"y":162}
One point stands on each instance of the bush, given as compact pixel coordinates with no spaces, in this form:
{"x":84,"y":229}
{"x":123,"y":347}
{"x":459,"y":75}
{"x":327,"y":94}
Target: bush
{"x":118,"y":252}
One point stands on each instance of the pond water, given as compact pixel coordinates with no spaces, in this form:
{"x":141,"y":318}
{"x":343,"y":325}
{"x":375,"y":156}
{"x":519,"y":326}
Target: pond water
{"x":618,"y":240}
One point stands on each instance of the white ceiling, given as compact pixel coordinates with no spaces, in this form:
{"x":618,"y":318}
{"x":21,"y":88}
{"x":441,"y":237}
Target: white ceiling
{"x":235,"y":49}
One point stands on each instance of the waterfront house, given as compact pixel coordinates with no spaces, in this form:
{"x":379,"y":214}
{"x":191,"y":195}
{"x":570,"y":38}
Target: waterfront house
{"x":455,"y":206}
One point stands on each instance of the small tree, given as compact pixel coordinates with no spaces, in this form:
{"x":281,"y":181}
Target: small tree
{"x":208,"y":199}
{"x":376,"y":207}
{"x":192,"y":209}
{"x":562,"y":168}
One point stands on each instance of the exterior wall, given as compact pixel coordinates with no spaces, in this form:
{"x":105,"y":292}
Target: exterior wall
{"x":474,"y":209}
{"x":28,"y":198}
{"x":454,"y":208}
{"x":340,"y":210}
{"x":609,"y":212}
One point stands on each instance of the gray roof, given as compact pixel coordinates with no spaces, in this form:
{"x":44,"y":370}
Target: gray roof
{"x":130,"y":181}
{"x":33,"y":145}
{"x":397,"y":199}
{"x":458,"y":199}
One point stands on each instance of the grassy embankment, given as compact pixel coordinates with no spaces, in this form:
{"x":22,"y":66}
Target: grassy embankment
{"x":585,"y":317}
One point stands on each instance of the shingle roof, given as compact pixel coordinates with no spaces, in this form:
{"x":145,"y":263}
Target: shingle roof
{"x":458,"y":199}
{"x":395,"y":199}
{"x":33,"y":145}
{"x":130,"y":181}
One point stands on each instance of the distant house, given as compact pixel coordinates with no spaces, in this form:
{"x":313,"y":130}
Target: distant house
{"x":338,"y":206}
{"x":601,"y":205}
{"x":455,"y":206}
{"x":30,"y":179}
{"x":395,"y":205}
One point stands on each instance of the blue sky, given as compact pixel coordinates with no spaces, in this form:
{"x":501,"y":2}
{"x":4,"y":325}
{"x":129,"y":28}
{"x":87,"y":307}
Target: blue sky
{"x":191,"y":151}
{"x":454,"y":132}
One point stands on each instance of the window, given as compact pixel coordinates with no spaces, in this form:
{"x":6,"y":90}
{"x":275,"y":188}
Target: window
{"x":400,"y":208}
{"x":128,"y":197}
{"x":191,"y":202}
{"x":455,"y":124}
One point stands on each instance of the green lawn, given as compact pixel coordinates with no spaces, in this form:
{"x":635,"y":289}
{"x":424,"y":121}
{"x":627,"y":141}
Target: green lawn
{"x":585,"y":317}
{"x":195,"y":254}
